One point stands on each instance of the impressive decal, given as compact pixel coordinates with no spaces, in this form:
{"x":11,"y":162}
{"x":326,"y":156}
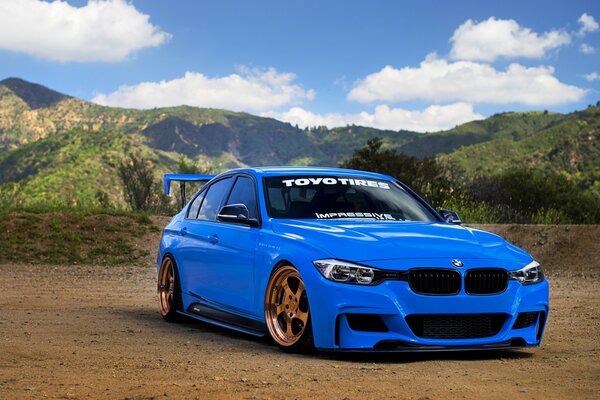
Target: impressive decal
{"x":335,"y":181}
{"x":331,"y":215}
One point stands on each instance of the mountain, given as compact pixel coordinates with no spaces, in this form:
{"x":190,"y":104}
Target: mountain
{"x":57,"y":148}
{"x":36,"y":96}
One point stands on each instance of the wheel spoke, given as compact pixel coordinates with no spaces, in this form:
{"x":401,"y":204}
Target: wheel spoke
{"x":288,"y":328}
{"x":279,"y":309}
{"x":302,"y":316}
{"x":300,"y":288}
{"x":287,"y":290}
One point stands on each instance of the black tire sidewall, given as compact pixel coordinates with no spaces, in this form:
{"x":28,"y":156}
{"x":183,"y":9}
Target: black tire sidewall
{"x":173,"y":315}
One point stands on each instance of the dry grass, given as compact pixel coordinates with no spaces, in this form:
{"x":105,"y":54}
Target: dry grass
{"x":73,"y":238}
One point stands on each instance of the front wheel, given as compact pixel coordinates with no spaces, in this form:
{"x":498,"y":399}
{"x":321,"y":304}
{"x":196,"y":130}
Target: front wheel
{"x":169,"y":290}
{"x":286,"y":311}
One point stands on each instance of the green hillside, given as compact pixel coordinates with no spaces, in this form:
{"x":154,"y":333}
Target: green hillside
{"x":569,"y":145}
{"x":507,"y":126}
{"x":58,"y":149}
{"x":73,"y":167}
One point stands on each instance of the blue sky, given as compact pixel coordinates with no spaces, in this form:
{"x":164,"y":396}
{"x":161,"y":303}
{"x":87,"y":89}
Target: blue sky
{"x":422,"y":65}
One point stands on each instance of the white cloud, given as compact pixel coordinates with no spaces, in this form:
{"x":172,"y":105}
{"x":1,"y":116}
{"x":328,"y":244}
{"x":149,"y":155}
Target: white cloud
{"x":304,"y":118}
{"x":592,"y":76}
{"x":588,"y":24}
{"x":250,"y":90}
{"x":441,"y":81}
{"x":102,"y":30}
{"x":433,"y":118}
{"x":586,"y":49}
{"x":493,"y":38}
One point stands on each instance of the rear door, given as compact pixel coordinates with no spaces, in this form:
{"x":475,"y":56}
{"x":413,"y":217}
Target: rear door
{"x":197,"y":243}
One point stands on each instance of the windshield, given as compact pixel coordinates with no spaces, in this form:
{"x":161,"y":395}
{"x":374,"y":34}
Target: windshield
{"x":336,"y":197}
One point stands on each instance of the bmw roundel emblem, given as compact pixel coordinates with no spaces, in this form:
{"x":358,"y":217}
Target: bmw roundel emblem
{"x":458,"y":263}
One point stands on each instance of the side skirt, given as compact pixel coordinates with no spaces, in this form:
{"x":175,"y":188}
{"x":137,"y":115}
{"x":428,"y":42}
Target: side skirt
{"x":224,"y":319}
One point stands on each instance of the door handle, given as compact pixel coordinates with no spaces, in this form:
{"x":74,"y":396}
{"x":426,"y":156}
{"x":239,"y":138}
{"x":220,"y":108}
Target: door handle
{"x":184,"y":231}
{"x":214,"y":239}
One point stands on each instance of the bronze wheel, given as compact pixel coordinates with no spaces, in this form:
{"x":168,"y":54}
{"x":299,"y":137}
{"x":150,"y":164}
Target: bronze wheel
{"x":286,"y":310}
{"x":169,"y":295}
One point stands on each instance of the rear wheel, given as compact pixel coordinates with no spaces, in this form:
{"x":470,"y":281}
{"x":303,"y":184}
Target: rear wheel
{"x":169,"y":291}
{"x":287,"y":312}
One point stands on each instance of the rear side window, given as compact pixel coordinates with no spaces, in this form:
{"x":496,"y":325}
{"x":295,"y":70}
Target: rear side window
{"x":195,"y":206}
{"x":243,"y":192}
{"x":213,"y":199}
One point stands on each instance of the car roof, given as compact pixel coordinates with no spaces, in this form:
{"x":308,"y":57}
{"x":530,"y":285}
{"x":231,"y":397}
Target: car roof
{"x":294,"y":171}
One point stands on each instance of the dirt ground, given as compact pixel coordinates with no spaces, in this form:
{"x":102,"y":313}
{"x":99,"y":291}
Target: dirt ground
{"x":89,"y":331}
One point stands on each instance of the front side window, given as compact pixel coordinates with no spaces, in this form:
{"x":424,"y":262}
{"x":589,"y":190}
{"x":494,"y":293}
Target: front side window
{"x":342,"y":197}
{"x":213,"y":199}
{"x":243,"y":192}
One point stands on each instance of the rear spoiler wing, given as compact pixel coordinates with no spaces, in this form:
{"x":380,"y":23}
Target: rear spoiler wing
{"x":182,"y":179}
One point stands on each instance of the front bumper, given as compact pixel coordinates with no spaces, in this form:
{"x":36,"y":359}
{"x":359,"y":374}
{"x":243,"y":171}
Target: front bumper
{"x":334,"y":304}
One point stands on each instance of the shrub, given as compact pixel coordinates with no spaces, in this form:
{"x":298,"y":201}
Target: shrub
{"x":141,"y":191}
{"x":518,"y":195}
{"x":524,"y":195}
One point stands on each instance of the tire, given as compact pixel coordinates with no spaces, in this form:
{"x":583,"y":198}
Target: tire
{"x":169,"y":291}
{"x":287,"y":312}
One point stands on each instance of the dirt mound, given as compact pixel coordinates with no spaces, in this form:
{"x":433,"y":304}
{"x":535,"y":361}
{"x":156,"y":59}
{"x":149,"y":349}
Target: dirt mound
{"x":104,"y":239}
{"x":77,"y":237}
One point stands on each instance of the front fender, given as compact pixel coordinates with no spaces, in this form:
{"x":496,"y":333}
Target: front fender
{"x":274,"y":250}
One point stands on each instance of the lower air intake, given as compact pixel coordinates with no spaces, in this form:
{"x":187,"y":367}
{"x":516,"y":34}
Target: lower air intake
{"x":366,"y":323}
{"x":456,"y":326}
{"x":525,"y":320}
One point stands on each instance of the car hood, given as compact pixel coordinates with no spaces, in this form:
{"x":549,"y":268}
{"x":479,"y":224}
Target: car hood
{"x":362,"y":241}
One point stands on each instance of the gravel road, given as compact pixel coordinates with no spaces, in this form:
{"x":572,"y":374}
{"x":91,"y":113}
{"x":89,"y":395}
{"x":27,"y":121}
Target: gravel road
{"x":95,"y":332}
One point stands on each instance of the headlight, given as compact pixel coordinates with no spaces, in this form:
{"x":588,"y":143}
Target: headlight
{"x":342,"y":271}
{"x":529,"y":274}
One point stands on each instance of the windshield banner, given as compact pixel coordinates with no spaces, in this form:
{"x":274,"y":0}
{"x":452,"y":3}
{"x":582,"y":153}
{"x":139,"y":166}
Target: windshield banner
{"x":335,"y":181}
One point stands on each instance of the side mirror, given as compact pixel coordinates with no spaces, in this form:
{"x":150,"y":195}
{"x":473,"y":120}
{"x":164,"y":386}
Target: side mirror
{"x":451,"y":217}
{"x":237,"y":213}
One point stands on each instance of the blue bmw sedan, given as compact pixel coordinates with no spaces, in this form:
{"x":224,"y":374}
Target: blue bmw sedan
{"x":342,"y":260}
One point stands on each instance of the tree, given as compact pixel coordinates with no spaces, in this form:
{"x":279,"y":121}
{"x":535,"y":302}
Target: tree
{"x":186,"y":167}
{"x":423,"y":175}
{"x":189,"y":167}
